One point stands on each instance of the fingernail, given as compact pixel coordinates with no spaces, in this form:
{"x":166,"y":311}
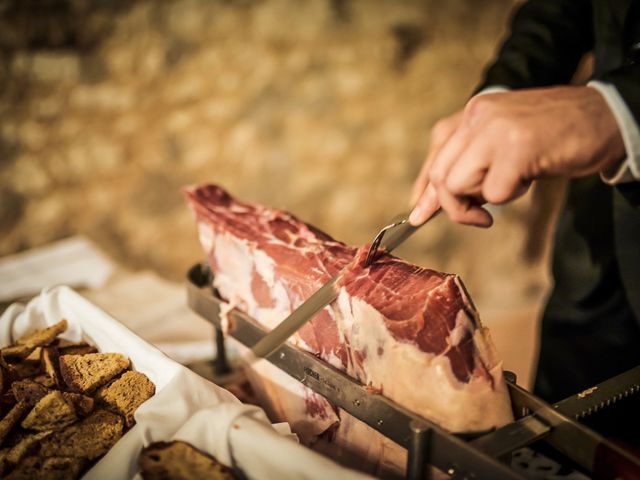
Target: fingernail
{"x":416,"y":213}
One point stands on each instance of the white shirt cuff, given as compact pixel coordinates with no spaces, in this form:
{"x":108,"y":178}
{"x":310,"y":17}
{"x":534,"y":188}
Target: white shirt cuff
{"x":629,"y":169}
{"x":493,"y":89}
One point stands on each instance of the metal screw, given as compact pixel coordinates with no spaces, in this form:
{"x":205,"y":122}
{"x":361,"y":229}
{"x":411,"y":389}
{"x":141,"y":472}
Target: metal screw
{"x":282,"y":355}
{"x":356,"y":402}
{"x":380,"y":422}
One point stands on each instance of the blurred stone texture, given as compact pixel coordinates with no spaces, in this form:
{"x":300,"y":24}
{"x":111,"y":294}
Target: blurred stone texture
{"x":322,"y":107}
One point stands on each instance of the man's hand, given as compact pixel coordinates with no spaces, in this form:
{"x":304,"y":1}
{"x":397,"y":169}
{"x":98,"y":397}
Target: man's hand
{"x":493,"y":149}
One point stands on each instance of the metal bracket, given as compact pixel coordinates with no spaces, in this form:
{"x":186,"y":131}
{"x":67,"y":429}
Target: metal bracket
{"x":427,"y":443}
{"x":418,"y":459}
{"x":474,"y":455}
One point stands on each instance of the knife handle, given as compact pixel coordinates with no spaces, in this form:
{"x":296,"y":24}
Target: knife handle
{"x":609,"y":463}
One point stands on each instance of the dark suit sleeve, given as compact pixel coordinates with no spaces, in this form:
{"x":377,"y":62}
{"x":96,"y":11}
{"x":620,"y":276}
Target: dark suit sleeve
{"x":547,"y":40}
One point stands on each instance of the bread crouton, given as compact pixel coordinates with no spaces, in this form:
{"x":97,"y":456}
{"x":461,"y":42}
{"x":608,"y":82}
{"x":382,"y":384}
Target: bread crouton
{"x":90,"y":438}
{"x":52,"y":412}
{"x":125,"y":394}
{"x":179,"y":460}
{"x":28,"y":391}
{"x":24,"y":369}
{"x":24,"y":447}
{"x":85,"y":373}
{"x":44,"y":337}
{"x":50,"y":358}
{"x":10,"y":419}
{"x":77,"y":349}
{"x":45,"y":380}
{"x":15,"y":353}
{"x":82,"y":403}
{"x":53,"y":468}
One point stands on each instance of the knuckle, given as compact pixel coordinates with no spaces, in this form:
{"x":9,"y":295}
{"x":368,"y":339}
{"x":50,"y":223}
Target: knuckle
{"x":453,"y":184}
{"x":495,"y":195}
{"x":436,"y":177}
{"x":440,"y":130}
{"x":519,"y":135}
{"x":478,"y":106}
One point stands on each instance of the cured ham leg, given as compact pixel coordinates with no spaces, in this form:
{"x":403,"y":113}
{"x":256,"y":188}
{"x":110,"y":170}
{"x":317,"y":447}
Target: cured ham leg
{"x":410,"y":333}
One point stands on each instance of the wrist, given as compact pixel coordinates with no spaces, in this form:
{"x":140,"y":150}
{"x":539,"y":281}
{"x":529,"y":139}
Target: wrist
{"x":627,"y":167}
{"x":613,"y":153}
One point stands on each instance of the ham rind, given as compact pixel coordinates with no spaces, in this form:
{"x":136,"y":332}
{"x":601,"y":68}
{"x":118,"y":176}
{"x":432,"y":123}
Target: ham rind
{"x":409,"y":333}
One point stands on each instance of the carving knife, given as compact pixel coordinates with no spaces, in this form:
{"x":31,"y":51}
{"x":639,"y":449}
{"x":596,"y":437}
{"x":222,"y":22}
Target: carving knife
{"x":323,"y":297}
{"x":601,"y":395}
{"x":556,"y":424}
{"x":597,"y":454}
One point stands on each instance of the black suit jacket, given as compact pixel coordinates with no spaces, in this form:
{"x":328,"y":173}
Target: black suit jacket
{"x":596,"y":264}
{"x":549,"y":37}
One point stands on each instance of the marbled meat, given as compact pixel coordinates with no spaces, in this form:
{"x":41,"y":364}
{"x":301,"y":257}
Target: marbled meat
{"x":408,"y":332}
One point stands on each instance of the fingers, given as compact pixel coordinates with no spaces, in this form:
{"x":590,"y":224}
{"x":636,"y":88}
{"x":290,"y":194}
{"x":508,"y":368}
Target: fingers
{"x":485,"y":172}
{"x":426,"y":206}
{"x":447,"y":157}
{"x":436,"y":195}
{"x":463,"y":176}
{"x":461,"y":164}
{"x":467,"y":174}
{"x":440,"y":135}
{"x":466,"y":167}
{"x":504,"y":183}
{"x":463,"y":209}
{"x":436,"y":170}
{"x":422,"y":181}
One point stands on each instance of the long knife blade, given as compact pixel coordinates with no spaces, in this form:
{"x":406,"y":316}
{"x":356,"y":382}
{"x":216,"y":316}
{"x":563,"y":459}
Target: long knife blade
{"x":601,"y":395}
{"x":587,"y":448}
{"x":584,"y":446}
{"x":320,"y":299}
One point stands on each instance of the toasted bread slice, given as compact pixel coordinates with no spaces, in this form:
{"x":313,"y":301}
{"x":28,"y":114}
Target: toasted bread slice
{"x":63,"y":342}
{"x":28,"y":391}
{"x":35,"y":355}
{"x":15,"y":353}
{"x":82,"y":403}
{"x":50,"y":359}
{"x":52,"y":412}
{"x":44,"y":379}
{"x":24,"y":369}
{"x":77,"y":349}
{"x":4,"y":380}
{"x":90,"y":438}
{"x":125,"y":394}
{"x":11,"y":419}
{"x":179,"y":460}
{"x":25,"y":447}
{"x":53,"y":468}
{"x":44,"y":337}
{"x":5,"y":466}
{"x":7,"y":401}
{"x":85,"y":373}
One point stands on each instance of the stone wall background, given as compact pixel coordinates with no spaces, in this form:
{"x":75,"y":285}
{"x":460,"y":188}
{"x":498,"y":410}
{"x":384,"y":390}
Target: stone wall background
{"x":322,"y":107}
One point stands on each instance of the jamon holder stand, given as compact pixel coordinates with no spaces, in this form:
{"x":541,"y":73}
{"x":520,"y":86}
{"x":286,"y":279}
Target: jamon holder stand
{"x":472,"y":455}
